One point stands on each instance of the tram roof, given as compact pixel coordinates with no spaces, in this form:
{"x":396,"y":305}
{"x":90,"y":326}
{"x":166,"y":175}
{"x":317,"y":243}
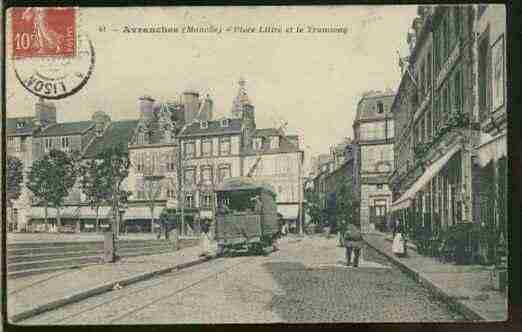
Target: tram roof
{"x":244,"y":183}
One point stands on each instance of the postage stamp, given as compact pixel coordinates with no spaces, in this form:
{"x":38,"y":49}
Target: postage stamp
{"x":41,"y":31}
{"x":51,"y":58}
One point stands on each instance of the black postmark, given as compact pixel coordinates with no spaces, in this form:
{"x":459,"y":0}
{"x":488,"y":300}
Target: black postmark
{"x":57,"y":78}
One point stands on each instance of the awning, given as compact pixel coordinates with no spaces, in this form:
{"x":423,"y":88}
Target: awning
{"x":141,"y":212}
{"x":83,"y":212}
{"x":432,"y":170}
{"x":491,"y":148}
{"x":288,"y":211}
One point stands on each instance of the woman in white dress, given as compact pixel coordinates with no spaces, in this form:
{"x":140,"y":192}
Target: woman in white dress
{"x":399,"y":243}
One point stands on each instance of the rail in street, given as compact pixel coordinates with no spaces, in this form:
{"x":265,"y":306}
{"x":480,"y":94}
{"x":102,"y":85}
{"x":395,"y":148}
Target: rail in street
{"x":305,"y":281}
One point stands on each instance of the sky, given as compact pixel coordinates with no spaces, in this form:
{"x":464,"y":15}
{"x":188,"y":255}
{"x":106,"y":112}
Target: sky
{"x":311,"y":80}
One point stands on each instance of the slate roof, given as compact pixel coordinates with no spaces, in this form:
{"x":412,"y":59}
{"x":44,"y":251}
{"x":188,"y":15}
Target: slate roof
{"x":367,"y":107}
{"x":267,"y":132}
{"x":67,"y":128}
{"x":214,"y":128}
{"x":119,"y":132}
{"x":13,"y":130}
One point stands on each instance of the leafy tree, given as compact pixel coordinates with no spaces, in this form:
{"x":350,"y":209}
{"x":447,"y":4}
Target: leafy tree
{"x":95,"y":186}
{"x":314,"y":206}
{"x":51,"y":178}
{"x":15,"y":177}
{"x":113,"y":163}
{"x":343,"y":203}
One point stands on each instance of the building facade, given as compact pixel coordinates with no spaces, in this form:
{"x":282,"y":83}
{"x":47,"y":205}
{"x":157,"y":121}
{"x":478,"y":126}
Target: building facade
{"x":178,"y":152}
{"x":450,"y":131}
{"x":374,"y":135}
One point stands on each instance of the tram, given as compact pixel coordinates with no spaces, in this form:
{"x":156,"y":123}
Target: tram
{"x":246,"y":215}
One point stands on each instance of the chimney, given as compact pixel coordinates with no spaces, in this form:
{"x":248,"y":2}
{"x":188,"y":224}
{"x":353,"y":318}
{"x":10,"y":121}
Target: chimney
{"x":190,"y":100}
{"x":45,"y":114}
{"x":145,"y":104}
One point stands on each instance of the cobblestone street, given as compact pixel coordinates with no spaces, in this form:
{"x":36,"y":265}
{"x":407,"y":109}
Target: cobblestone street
{"x":304,"y":281}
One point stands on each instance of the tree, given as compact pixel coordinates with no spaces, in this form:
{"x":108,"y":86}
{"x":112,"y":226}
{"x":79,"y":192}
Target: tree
{"x":152,"y":185}
{"x":314,"y":206}
{"x":114,"y":168}
{"x":51,"y":178}
{"x":95,"y":186}
{"x":15,"y":177}
{"x":343,"y":203}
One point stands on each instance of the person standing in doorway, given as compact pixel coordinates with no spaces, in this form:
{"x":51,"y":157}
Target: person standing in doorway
{"x":353,"y":243}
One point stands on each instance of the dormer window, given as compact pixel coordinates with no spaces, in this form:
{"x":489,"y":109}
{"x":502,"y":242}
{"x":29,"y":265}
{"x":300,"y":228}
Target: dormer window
{"x":380,"y":107}
{"x":224,"y":123}
{"x":20,"y":124}
{"x":203,"y":124}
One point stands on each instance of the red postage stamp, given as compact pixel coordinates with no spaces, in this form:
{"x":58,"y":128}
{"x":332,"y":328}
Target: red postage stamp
{"x":44,"y":32}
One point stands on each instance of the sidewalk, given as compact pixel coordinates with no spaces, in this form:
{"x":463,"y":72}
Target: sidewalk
{"x":27,"y":296}
{"x":467,"y":288}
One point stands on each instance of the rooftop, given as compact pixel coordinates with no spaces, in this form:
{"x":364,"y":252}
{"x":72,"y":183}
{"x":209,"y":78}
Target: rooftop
{"x":119,"y":132}
{"x":213,"y":128}
{"x":67,"y":128}
{"x":368,"y":108}
{"x":19,"y":126}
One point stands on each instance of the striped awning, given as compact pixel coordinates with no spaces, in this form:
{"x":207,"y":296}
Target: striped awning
{"x":405,"y":200}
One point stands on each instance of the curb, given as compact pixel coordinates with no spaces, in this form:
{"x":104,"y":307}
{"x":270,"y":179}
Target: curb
{"x":452,"y":302}
{"x":107,"y":287}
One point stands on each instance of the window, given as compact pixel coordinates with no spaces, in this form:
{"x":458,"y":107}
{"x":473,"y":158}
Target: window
{"x":380,"y":107}
{"x":190,"y":151}
{"x":258,"y":143}
{"x":206,"y":147}
{"x":457,"y":92}
{"x":140,"y":193}
{"x":457,"y":20}
{"x":190,"y":176}
{"x":203,"y":124}
{"x":140,"y":162}
{"x":65,"y":143}
{"x":225,"y":123}
{"x":274,"y":142}
{"x":379,"y":186}
{"x":47,"y":144}
{"x":206,"y":174}
{"x":446,"y":37}
{"x":428,"y":73}
{"x":189,"y":200}
{"x":20,"y":124}
{"x":483,"y":77}
{"x":11,"y":140}
{"x":224,"y":146}
{"x":223,"y":172}
{"x":171,"y":193}
{"x":206,"y":200}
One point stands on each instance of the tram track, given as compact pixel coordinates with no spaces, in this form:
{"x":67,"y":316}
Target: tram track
{"x":142,"y":287}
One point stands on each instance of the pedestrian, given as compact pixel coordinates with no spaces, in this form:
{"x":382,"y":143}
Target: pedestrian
{"x":353,"y":243}
{"x":399,"y":242}
{"x":205,"y":240}
{"x":395,"y":226}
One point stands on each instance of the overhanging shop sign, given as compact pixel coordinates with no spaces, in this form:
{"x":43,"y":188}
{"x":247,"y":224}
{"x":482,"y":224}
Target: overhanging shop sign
{"x":448,"y":65}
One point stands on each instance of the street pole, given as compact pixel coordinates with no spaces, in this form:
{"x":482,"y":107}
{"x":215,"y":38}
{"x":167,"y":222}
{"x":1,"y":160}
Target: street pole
{"x":181,"y":196}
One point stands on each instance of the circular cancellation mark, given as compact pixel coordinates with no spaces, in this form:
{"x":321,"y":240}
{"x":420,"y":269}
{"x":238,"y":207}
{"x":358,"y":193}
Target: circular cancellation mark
{"x":57,"y":77}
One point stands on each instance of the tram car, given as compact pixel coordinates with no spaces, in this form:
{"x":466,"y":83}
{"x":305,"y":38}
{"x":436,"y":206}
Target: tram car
{"x":246,"y":216}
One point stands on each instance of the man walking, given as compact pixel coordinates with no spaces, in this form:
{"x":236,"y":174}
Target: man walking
{"x":352,"y":243}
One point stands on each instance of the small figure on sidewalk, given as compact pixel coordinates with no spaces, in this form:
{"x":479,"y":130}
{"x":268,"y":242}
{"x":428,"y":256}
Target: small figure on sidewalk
{"x":205,"y":240}
{"x":399,"y":242}
{"x":353,"y":243}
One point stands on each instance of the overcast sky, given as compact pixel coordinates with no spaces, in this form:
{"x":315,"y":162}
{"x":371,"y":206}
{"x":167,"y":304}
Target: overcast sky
{"x":312,"y":80}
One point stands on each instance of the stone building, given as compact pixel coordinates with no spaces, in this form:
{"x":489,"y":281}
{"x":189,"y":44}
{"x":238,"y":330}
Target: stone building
{"x":374,"y":135}
{"x":490,"y":178}
{"x":450,"y":131}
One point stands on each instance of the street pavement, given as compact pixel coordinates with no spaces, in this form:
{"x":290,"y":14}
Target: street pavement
{"x":304,"y":281}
